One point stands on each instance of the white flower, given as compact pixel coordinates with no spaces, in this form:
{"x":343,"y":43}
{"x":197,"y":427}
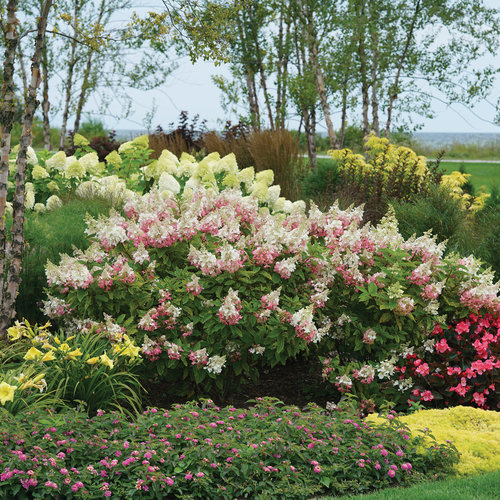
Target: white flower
{"x":141,"y":254}
{"x":215,"y":364}
{"x":344,"y":381}
{"x":89,"y":161}
{"x":57,"y":162}
{"x":31,"y":156}
{"x":429,"y":345}
{"x":257,"y":349}
{"x":273,"y":194}
{"x":168,"y":182}
{"x":29,"y":201}
{"x":386,"y":368}
{"x":246,"y":176}
{"x":53,"y":202}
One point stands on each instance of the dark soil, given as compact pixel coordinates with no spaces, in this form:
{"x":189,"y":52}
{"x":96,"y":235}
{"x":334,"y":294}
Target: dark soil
{"x":297,"y":383}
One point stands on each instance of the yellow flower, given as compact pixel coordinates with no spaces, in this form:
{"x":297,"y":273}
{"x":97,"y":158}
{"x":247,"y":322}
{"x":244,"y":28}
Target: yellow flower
{"x":48,"y":356}
{"x":75,"y":169}
{"x":17,"y":331}
{"x":6,"y":392}
{"x":113,"y":159}
{"x":93,"y":361}
{"x":105,"y":360}
{"x":142,"y":140}
{"x":64,"y":347}
{"x":33,"y":354}
{"x":57,"y":162}
{"x":74,"y":354}
{"x":53,"y":186}
{"x":265,"y":176}
{"x":131,"y":351}
{"x":80,"y":140}
{"x":39,"y":172}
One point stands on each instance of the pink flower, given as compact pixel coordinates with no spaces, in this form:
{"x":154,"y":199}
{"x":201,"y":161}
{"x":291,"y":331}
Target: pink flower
{"x":317,"y":469}
{"x":423,"y":369}
{"x":188,"y":476}
{"x":479,"y":399}
{"x":442,"y":346}
{"x":427,"y":396}
{"x":462,"y":327}
{"x":391,"y":473}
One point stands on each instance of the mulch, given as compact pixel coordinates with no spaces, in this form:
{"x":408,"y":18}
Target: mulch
{"x":297,"y":383}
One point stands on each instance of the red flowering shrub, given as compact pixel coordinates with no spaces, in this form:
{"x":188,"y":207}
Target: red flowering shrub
{"x":463,"y":368}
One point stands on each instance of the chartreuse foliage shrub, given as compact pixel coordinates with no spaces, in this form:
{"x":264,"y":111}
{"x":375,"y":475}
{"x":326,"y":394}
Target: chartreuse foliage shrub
{"x":387,"y":172}
{"x":267,"y":451}
{"x":217,"y":278}
{"x":475,"y":433}
{"x":77,"y":369}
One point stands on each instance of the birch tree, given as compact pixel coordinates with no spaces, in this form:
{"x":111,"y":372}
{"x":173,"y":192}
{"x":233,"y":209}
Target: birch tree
{"x":11,"y":256}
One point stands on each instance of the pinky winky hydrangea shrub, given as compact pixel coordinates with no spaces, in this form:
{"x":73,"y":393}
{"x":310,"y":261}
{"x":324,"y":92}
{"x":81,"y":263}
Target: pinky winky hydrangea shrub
{"x":217,"y":278}
{"x":203,"y":451}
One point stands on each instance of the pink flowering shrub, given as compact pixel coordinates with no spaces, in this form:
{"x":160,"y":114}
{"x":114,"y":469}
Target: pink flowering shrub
{"x":214,"y":274}
{"x":197,"y":282}
{"x":205,"y":451}
{"x":463,"y":368}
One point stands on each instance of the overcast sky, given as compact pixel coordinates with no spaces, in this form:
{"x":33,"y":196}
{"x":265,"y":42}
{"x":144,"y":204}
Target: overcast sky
{"x":190,"y":88}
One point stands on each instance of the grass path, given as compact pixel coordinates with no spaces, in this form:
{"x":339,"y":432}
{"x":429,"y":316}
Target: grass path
{"x":482,"y":174}
{"x":479,"y":487}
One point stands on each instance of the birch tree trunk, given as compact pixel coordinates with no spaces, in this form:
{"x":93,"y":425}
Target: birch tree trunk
{"x":86,"y":75}
{"x":253,"y":102}
{"x":395,"y":86}
{"x":6,"y":122}
{"x":45,"y":101}
{"x":69,"y":80}
{"x":312,"y":42}
{"x":374,"y":67}
{"x":363,"y":70}
{"x":343,"y":121}
{"x":24,"y":78}
{"x":11,"y":285}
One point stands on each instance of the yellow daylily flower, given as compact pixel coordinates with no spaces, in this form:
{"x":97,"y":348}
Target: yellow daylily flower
{"x":33,"y":354}
{"x":6,"y":392}
{"x":93,"y":361}
{"x":131,"y":351}
{"x":74,"y":354}
{"x":21,"y":379}
{"x":48,"y":356}
{"x":56,"y":340}
{"x":48,"y":346}
{"x":64,"y":347}
{"x":16,"y":332}
{"x":105,"y":360}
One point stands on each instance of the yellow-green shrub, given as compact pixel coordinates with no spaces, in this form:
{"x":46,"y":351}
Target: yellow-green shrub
{"x":390,"y":172}
{"x":475,"y":433}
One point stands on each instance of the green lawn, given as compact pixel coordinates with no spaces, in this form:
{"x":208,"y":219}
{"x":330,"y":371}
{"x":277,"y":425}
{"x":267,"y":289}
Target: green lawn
{"x":482,"y":174}
{"x":480,"y":487}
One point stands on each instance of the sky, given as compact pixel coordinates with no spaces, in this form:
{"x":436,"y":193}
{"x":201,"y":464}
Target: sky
{"x":190,"y":88}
